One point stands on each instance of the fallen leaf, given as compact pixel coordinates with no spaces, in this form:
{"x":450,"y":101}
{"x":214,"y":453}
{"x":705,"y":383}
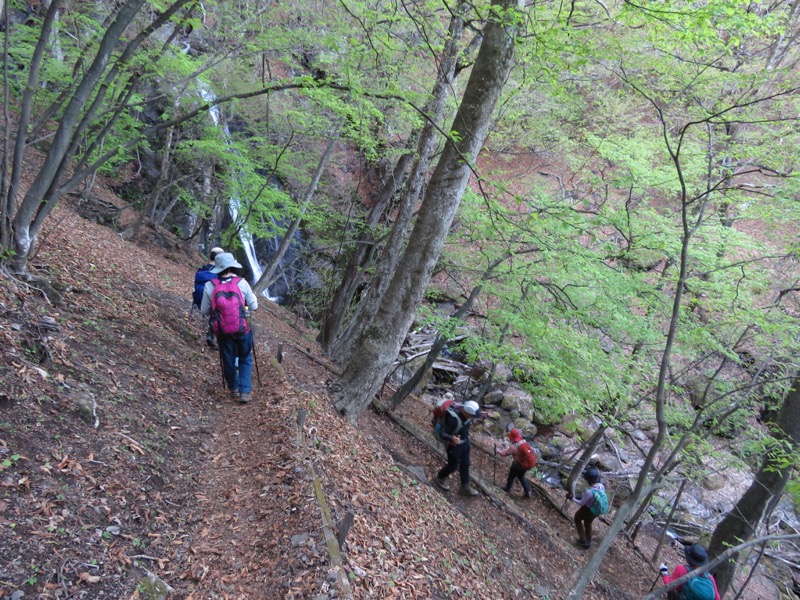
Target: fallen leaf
{"x":88,"y":578}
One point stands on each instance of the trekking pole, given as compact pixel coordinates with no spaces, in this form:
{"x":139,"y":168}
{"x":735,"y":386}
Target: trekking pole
{"x":253,"y":347}
{"x":222,"y":369}
{"x":652,"y":587}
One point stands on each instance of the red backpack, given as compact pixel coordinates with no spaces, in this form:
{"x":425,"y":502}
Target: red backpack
{"x":439,"y":417}
{"x":527,"y":457}
{"x":228,"y":312}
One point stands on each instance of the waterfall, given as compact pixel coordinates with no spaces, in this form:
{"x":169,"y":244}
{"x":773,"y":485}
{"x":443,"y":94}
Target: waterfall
{"x":234,"y":203}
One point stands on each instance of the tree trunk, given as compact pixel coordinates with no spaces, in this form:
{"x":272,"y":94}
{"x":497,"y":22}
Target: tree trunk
{"x":380,"y":343}
{"x":368,"y":308}
{"x":149,"y":206}
{"x":742,"y":522}
{"x":362,"y":252}
{"x":441,"y":340}
{"x":23,"y":234}
{"x":10,"y":194}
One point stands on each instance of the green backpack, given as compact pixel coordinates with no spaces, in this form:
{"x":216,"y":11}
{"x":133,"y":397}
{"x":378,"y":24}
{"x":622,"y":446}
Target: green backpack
{"x":698,"y":588}
{"x":600,"y":503}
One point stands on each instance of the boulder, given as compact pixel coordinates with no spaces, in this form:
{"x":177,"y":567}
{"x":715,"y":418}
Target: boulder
{"x":606,"y":461}
{"x":495,"y":397}
{"x":503,"y":373}
{"x":518,"y":399}
{"x":714,"y":481}
{"x":524,"y":425}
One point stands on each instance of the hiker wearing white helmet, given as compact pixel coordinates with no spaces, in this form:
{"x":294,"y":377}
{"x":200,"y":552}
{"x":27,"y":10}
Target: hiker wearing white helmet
{"x":455,"y":433}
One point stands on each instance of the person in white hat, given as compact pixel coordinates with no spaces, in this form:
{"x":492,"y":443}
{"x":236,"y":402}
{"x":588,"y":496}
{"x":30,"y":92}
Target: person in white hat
{"x":455,"y":433}
{"x":228,"y":300}
{"x":203,"y":276}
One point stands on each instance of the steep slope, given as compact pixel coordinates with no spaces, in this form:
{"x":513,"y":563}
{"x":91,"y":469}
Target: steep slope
{"x":121,"y":458}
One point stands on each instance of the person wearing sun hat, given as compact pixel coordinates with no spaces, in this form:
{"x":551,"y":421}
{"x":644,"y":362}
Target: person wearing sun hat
{"x":235,"y":349}
{"x":523,"y":459}
{"x":701,"y":587}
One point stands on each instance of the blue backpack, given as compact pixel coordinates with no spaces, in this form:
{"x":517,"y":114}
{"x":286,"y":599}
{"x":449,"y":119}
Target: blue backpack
{"x":203,"y":276}
{"x":698,"y":588}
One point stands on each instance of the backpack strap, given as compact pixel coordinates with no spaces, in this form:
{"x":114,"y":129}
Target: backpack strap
{"x":453,"y":413}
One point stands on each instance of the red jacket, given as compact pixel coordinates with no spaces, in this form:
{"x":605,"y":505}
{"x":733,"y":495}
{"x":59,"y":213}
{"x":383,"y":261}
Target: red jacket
{"x":682,"y":570}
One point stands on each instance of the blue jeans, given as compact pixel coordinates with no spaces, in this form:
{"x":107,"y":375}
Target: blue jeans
{"x":233,"y":350}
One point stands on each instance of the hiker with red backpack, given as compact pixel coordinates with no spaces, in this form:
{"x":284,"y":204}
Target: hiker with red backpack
{"x":701,"y":587}
{"x":228,"y":301}
{"x":524,"y":459}
{"x":201,"y":278}
{"x":592,"y":504}
{"x":453,"y":430}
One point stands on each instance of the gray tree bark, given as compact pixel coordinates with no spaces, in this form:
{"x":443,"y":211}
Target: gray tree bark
{"x":742,"y":522}
{"x":90,"y":92}
{"x":378,"y":346}
{"x":387,"y":263}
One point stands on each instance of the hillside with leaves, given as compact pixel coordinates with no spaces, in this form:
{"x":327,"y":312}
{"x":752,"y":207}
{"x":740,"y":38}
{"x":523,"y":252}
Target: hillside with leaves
{"x":599,"y":199}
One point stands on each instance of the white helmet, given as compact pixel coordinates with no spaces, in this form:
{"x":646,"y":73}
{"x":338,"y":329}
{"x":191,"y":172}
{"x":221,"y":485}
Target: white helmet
{"x":471,"y":408}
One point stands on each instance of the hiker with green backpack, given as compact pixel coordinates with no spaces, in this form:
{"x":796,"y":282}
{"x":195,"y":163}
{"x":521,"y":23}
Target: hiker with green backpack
{"x":592,"y":504}
{"x":700,"y":587}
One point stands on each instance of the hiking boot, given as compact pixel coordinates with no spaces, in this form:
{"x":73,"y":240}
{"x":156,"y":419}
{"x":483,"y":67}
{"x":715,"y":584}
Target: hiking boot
{"x":584,"y":543}
{"x":244,"y":398}
{"x":468,"y":490}
{"x":234,"y":394}
{"x":442,"y":483}
{"x":528,"y":494}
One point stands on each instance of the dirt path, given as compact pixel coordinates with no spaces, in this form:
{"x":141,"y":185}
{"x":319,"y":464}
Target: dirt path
{"x":122,"y":458}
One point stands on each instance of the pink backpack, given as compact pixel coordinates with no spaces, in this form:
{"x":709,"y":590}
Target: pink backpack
{"x":228,"y":314}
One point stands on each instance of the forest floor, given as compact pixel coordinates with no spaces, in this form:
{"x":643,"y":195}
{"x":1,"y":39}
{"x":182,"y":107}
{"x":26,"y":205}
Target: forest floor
{"x":124,"y":465}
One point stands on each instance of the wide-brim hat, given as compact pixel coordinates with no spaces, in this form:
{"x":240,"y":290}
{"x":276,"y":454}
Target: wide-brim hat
{"x":225,"y":261}
{"x":696,"y":555}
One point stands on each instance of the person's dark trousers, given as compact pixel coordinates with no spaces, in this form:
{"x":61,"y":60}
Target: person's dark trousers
{"x":231,"y":349}
{"x":517,"y":472}
{"x":457,"y":458}
{"x":583,"y":524}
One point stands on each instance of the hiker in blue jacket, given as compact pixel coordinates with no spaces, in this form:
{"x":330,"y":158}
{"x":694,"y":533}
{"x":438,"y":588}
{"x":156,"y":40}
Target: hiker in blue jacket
{"x":235,"y":346}
{"x":203,"y":276}
{"x":584,"y":515}
{"x":455,"y":432}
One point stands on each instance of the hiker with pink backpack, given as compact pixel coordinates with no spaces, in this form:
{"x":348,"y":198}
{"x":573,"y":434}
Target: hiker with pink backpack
{"x":524,"y":459}
{"x":228,"y":301}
